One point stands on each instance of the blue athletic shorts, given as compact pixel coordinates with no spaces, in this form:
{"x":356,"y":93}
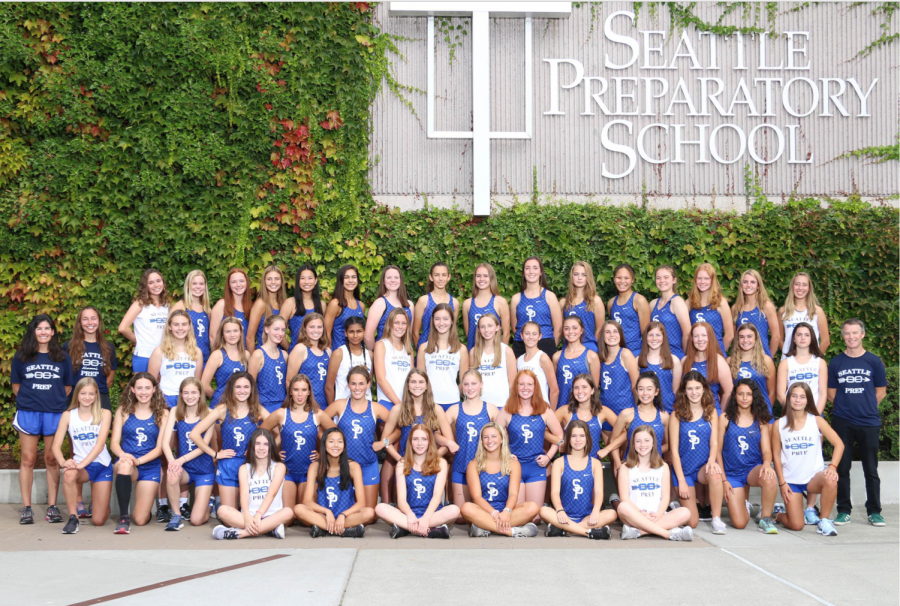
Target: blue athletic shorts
{"x":149,"y":472}
{"x":447,"y":407}
{"x":172,"y":401}
{"x":227,"y":474}
{"x":689,"y":478}
{"x":139,"y":364}
{"x":738,"y":477}
{"x":387,"y":404}
{"x":34,"y":423}
{"x":798,"y":488}
{"x":458,"y":478}
{"x":272,"y":406}
{"x":532,"y":472}
{"x":99,"y":473}
{"x":202,"y":479}
{"x":370,"y":473}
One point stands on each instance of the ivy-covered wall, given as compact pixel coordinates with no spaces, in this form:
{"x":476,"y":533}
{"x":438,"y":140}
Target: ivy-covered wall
{"x":187,"y":136}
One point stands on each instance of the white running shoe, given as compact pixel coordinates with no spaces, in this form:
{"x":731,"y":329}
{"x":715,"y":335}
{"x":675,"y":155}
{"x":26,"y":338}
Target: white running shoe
{"x":524,"y":532}
{"x":630,"y":532}
{"x":718,"y":526}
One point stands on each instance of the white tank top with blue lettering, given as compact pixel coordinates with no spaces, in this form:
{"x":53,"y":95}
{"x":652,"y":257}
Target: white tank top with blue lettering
{"x":496,"y":380}
{"x":804,"y":373}
{"x":645,"y":488}
{"x":790,"y":323}
{"x":259,"y":489}
{"x":83,"y":435}
{"x":801,"y":450}
{"x":148,"y":329}
{"x":397,"y":364}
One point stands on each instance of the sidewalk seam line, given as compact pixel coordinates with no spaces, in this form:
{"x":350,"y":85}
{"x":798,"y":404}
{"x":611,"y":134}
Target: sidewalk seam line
{"x":778,"y":578}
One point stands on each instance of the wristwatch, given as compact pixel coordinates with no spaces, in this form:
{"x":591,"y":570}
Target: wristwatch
{"x":560,"y":443}
{"x":386,"y":442}
{"x":507,"y":509}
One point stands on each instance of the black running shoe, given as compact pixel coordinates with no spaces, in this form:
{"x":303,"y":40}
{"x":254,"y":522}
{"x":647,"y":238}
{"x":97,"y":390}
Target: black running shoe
{"x":71,"y":526}
{"x":439,"y":532}
{"x":163,"y":514}
{"x":53,"y":515}
{"x":356,"y":532}
{"x":27,"y":516}
{"x":555,"y":531}
{"x":316,"y":532}
{"x":397,"y":532}
{"x":599,"y":534}
{"x":186,"y":511}
{"x":705,"y":512}
{"x":123,"y":526}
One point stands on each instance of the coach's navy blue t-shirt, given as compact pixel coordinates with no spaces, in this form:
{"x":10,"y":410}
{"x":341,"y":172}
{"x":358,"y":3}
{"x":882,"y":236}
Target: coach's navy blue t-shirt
{"x":92,"y":364}
{"x":42,"y":383}
{"x":855,"y":380}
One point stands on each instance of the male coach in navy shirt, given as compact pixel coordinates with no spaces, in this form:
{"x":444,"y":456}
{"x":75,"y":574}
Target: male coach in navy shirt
{"x":856,"y":385}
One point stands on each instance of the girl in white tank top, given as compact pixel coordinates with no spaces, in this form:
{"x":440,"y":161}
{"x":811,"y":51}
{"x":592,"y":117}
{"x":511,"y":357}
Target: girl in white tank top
{"x":393,"y":358}
{"x":261,"y":479}
{"x":348,"y":361}
{"x":447,"y":360}
{"x":799,"y":466}
{"x":177,"y":357}
{"x":813,"y":372}
{"x":149,"y":326}
{"x":642,"y":482}
{"x":84,"y":435}
{"x":539,"y":363}
{"x":497,"y":371}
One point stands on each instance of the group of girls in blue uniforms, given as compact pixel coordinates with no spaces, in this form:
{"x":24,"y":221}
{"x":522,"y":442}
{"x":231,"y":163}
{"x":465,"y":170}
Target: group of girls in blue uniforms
{"x":491,"y":421}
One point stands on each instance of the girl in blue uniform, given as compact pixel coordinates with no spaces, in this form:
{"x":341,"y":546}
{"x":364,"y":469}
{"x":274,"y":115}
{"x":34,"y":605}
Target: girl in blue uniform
{"x":708,"y":304}
{"x":192,"y":465}
{"x":576,"y":489}
{"x":268,"y":365}
{"x":228,"y":357}
{"x":299,"y":423}
{"x":574,"y":359}
{"x":584,"y":405}
{"x":147,"y":314}
{"x":526,"y":418}
{"x":421,"y":477}
{"x":642,"y":482}
{"x":535,"y":303}
{"x":391,"y":295}
{"x":177,"y":357}
{"x":41,"y":377}
{"x":92,"y":355}
{"x":436,"y":294}
{"x":670,"y":309}
{"x":261,"y":481}
{"x":745,"y":455}
{"x":466,"y":420}
{"x":694,"y":447}
{"x":235,"y":303}
{"x":753,"y":306}
{"x":493,"y":477}
{"x":335,"y":500}
{"x":196,"y":303}
{"x":581,"y":300}
{"x":344,"y":304}
{"x":311,"y":356}
{"x":358,"y":417}
{"x":238,"y":417}
{"x":443,"y":357}
{"x":485,"y":299}
{"x":656,"y":357}
{"x":647,"y":410}
{"x":749,"y":361}
{"x":628,"y":308}
{"x":417,"y":407}
{"x":137,"y":443}
{"x":269,"y":301}
{"x":349,"y":355}
{"x":307,"y":299}
{"x":87,"y":424}
{"x":618,"y":372}
{"x":703,"y":355}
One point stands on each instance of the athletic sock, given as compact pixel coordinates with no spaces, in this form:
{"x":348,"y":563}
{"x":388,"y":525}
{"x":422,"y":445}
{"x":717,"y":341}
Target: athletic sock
{"x":182,"y":501}
{"x":123,"y":493}
{"x":163,"y":501}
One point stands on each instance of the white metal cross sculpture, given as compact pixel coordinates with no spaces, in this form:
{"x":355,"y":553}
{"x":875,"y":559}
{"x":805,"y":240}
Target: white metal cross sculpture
{"x":481,"y":133}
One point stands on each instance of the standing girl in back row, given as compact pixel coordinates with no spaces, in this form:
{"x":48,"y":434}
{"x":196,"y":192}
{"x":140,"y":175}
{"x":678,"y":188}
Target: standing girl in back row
{"x":535,"y":303}
{"x":581,"y":300}
{"x":148,"y":314}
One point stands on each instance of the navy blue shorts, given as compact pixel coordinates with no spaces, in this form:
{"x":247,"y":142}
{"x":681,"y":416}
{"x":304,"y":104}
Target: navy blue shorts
{"x":34,"y":423}
{"x":99,"y":473}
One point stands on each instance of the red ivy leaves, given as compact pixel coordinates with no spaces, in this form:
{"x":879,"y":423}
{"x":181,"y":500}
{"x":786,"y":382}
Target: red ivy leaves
{"x":362,"y":7}
{"x":333,"y":122}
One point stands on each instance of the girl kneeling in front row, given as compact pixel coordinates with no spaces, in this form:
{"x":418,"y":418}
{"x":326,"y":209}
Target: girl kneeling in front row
{"x":335,"y":499}
{"x":494,"y":478}
{"x":261,"y":480}
{"x":576,"y":489}
{"x":798,"y":436}
{"x":643,"y":480}
{"x":421,"y":478}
